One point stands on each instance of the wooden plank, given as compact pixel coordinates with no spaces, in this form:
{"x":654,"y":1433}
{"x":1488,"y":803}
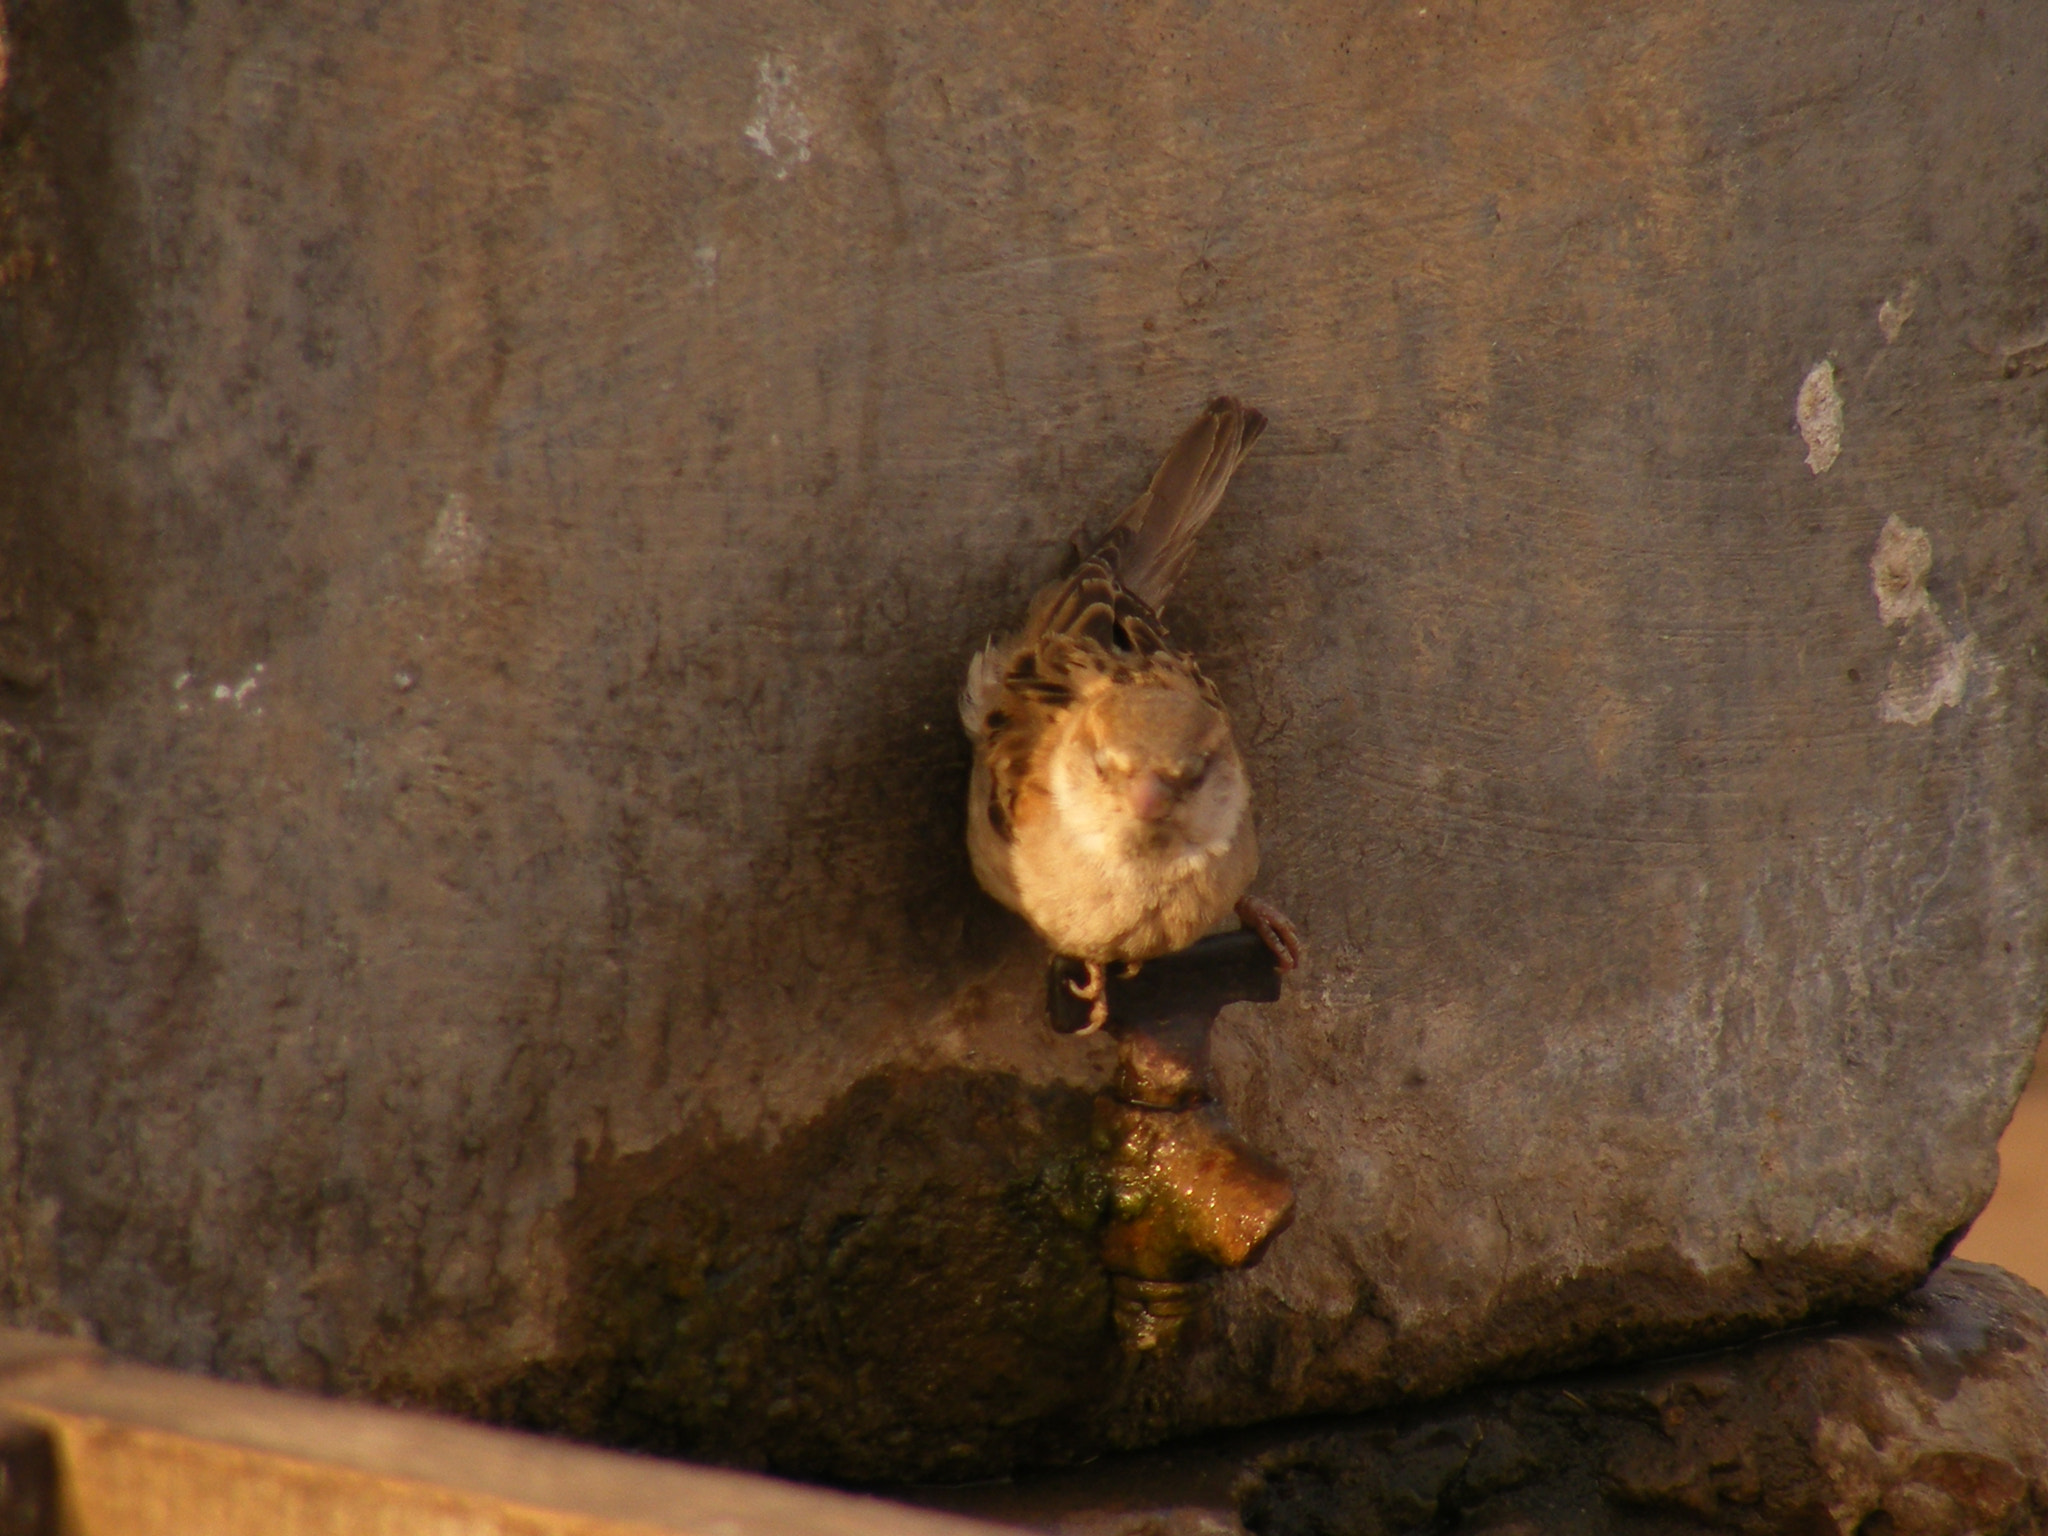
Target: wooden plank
{"x":141,"y":1451}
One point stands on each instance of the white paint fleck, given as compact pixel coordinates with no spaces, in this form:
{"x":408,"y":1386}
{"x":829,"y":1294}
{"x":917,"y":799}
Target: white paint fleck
{"x":403,"y":680}
{"x":1916,"y":691}
{"x":1819,"y":413}
{"x":1893,"y":314}
{"x":455,"y":545}
{"x":780,"y":129}
{"x":1898,"y":571}
{"x":1931,"y":667}
{"x":705,"y":259}
{"x":236,"y":693}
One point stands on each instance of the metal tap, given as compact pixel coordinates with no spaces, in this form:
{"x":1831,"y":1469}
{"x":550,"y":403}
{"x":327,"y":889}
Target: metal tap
{"x":1188,"y":1197}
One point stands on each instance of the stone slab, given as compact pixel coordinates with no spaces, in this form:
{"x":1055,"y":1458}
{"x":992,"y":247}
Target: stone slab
{"x":497,"y":503}
{"x":1930,"y":1416}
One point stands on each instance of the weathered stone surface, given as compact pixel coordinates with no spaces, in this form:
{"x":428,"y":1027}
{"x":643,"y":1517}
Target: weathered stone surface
{"x":497,"y":503}
{"x":1929,"y":1417}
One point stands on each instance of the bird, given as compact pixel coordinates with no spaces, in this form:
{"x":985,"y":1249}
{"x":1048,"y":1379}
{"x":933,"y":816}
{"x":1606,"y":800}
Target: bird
{"x":1108,"y":804}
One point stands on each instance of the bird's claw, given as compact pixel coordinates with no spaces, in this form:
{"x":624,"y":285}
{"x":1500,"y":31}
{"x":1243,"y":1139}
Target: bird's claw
{"x":1271,"y":925}
{"x":1095,"y":994}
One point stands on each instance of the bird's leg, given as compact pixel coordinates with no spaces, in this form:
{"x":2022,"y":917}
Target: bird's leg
{"x":1096,"y":994}
{"x":1269,"y":924}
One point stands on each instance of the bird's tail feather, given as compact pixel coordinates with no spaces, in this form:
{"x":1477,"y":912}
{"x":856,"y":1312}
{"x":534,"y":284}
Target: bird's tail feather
{"x":1152,"y":540}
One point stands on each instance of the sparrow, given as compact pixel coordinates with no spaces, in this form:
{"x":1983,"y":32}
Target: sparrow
{"x":1108,"y":806}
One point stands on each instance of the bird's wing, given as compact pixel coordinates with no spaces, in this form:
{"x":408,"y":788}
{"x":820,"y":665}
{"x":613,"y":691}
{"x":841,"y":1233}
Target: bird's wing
{"x":1039,"y":679}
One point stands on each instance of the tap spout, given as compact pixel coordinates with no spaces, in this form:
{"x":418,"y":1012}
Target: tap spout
{"x":1188,"y":1197}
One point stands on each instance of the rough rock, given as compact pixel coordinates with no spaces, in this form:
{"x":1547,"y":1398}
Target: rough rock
{"x":1930,"y":1417}
{"x":497,"y":502}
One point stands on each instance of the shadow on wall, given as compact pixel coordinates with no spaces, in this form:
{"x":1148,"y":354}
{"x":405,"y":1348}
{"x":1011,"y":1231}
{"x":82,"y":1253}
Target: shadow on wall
{"x":908,"y":1283}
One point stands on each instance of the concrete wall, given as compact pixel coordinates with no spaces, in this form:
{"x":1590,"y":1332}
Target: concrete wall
{"x":499,"y":499}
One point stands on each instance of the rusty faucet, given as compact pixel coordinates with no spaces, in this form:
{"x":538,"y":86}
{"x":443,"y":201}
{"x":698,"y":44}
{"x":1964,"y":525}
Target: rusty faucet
{"x":1188,"y":1197}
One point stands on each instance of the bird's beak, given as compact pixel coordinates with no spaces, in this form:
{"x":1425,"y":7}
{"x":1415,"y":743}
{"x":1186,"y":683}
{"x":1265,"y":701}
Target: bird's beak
{"x":1151,"y":797}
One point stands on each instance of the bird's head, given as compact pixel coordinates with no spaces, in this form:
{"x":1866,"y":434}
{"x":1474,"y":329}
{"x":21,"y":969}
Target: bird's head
{"x":1153,"y":766}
